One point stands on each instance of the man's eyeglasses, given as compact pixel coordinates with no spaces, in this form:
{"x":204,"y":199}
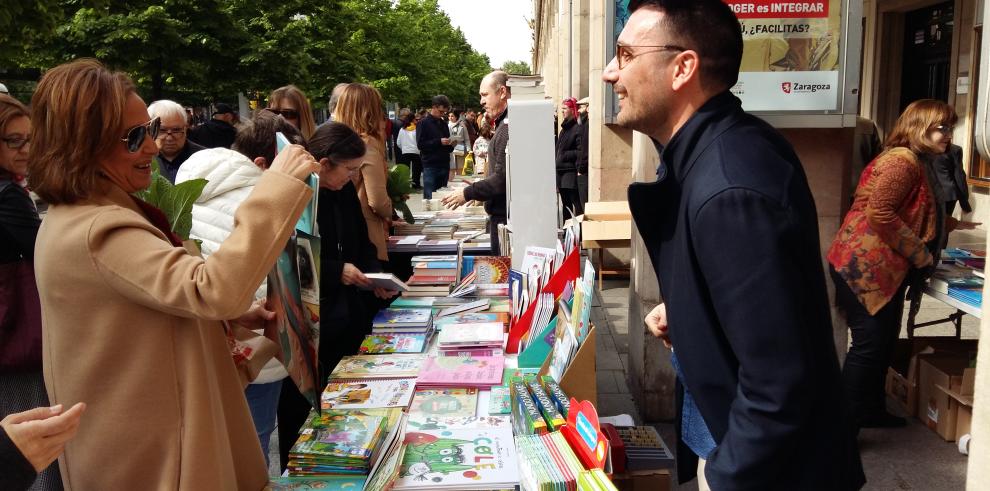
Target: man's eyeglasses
{"x":135,"y":136}
{"x":16,"y":142}
{"x":175,"y":132}
{"x":623,"y":55}
{"x":285,"y":113}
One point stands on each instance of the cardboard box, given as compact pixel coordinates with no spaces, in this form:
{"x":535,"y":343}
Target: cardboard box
{"x":607,"y":210}
{"x":606,"y":230}
{"x":937,"y":371}
{"x":902,"y":375}
{"x":961,"y":402}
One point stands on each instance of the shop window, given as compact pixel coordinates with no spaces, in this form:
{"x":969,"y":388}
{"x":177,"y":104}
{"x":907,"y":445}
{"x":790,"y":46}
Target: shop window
{"x":979,"y":167}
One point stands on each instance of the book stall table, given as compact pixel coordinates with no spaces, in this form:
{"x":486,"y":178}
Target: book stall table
{"x":958,"y":283}
{"x":466,"y":393}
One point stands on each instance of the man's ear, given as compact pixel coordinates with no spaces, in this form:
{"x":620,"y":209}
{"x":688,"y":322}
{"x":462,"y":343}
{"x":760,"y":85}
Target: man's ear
{"x":261,"y":162}
{"x":686,"y":69}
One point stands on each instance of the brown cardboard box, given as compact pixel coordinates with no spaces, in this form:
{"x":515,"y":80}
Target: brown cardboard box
{"x":902,"y":375}
{"x":579,"y":379}
{"x":962,"y":402}
{"x":933,"y":403}
{"x":607,"y":210}
{"x":652,"y":480}
{"x":606,"y":230}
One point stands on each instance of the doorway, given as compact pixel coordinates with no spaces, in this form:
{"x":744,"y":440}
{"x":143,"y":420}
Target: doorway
{"x":927,"y":54}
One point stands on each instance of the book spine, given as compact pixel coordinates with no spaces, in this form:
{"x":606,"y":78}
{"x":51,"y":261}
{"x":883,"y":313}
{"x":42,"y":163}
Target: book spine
{"x":547,"y":408}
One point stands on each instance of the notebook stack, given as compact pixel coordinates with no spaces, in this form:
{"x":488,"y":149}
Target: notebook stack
{"x":480,"y":372}
{"x":406,"y":321}
{"x":480,"y":335}
{"x":404,"y":243}
{"x":429,"y":285}
{"x":438,"y":245}
{"x":338,"y":442}
{"x":437,"y":232}
{"x":403,"y":228}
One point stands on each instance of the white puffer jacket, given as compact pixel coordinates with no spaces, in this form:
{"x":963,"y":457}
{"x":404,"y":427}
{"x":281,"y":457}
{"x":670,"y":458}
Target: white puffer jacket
{"x":231,"y":178}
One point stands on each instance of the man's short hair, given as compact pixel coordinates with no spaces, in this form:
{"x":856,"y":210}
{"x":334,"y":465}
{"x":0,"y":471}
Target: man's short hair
{"x":256,"y":138}
{"x":441,"y":101}
{"x":223,"y":108}
{"x":167,"y":109}
{"x":498,"y":79}
{"x":710,"y":28}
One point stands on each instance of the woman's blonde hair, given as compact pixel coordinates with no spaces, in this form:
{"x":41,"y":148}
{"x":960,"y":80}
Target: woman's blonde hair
{"x":360,"y":107}
{"x":307,"y":125}
{"x":912,"y":127}
{"x":77,"y":115}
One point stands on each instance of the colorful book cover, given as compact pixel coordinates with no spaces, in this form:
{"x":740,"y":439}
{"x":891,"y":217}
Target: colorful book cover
{"x":500,"y":400}
{"x":450,"y":459}
{"x":420,"y":279}
{"x":413,"y":303}
{"x":427,"y":265}
{"x":489,"y":269}
{"x":322,"y":483}
{"x":452,"y":403}
{"x":378,"y":366}
{"x":484,"y":334}
{"x":392,"y":343}
{"x":461,"y":371}
{"x":472,"y":317}
{"x":390,"y":317}
{"x":367,"y":394}
{"x":345,"y":435}
{"x":457,"y":422}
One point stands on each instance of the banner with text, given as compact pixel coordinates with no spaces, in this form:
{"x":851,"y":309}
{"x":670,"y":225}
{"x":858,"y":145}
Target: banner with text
{"x":790,"y":54}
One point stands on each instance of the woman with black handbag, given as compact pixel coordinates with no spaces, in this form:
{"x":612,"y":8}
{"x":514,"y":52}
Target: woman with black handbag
{"x":21,"y":384}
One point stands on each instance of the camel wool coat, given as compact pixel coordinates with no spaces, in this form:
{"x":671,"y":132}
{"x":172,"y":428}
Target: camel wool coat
{"x":131,"y":328}
{"x":371,"y":183}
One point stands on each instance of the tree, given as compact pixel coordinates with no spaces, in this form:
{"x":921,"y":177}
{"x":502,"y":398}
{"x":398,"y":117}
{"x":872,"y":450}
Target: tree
{"x":516,"y":68}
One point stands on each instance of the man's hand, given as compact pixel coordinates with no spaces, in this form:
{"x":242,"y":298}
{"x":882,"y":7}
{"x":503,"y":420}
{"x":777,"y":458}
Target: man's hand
{"x":656,"y":322}
{"x":445,"y":141}
{"x":455,"y":199}
{"x":353,"y":276}
{"x":41,"y":433}
{"x":384,"y":294}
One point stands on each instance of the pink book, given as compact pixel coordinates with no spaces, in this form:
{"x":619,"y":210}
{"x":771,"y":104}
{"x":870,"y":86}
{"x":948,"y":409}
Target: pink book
{"x":461,"y":371}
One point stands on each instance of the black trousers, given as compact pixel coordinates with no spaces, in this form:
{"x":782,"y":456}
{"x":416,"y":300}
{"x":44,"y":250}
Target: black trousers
{"x":582,"y":180}
{"x":869,"y":355}
{"x":415,"y":165}
{"x":570,"y":199}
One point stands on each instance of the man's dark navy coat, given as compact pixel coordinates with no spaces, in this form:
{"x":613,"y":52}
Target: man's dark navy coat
{"x":731,"y":228}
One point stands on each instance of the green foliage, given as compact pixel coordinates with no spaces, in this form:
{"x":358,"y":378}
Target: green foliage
{"x":399,"y":187}
{"x":175,"y":201}
{"x":516,"y":68}
{"x":198,"y":51}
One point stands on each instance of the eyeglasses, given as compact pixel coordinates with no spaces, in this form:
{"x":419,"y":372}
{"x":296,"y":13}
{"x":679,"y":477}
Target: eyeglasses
{"x":135,"y":136}
{"x":174,"y":132}
{"x":623,"y":55}
{"x":285,"y":113}
{"x":16,"y":142}
{"x":943,"y":128}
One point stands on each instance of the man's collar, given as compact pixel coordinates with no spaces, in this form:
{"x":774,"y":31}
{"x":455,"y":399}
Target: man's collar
{"x":677,"y":157}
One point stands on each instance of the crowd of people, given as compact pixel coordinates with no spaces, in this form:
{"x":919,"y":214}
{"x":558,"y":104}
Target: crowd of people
{"x":134,"y":323}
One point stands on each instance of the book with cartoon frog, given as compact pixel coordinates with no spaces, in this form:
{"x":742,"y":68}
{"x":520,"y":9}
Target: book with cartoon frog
{"x":480,"y":458}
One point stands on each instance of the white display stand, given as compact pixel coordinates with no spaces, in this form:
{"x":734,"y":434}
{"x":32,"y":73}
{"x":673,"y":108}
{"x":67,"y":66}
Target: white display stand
{"x":531,"y":185}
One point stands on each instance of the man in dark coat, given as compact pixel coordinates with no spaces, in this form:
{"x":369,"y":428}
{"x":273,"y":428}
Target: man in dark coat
{"x":582,"y":163}
{"x":433,"y":140}
{"x":568,"y":150}
{"x":217,"y":132}
{"x":495,"y":94}
{"x":731,"y":228}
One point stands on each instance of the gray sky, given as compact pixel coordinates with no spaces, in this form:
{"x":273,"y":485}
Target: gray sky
{"x":497,"y":28}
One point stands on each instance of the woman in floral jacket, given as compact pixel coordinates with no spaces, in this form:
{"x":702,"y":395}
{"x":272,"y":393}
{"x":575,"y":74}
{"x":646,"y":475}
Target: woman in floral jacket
{"x":889,"y":237}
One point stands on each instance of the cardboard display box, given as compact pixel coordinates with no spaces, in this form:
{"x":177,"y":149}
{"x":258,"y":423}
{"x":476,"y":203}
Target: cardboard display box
{"x":605,"y":221}
{"x":961,"y":402}
{"x":939,"y":374}
{"x":607,"y":210}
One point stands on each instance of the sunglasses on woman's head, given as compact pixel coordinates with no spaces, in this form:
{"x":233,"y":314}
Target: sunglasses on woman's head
{"x":135,"y":136}
{"x":285,"y":113}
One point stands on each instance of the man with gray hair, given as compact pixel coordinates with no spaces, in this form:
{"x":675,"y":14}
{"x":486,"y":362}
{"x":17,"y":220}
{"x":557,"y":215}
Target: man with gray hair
{"x":173,"y":146}
{"x":495,"y":94}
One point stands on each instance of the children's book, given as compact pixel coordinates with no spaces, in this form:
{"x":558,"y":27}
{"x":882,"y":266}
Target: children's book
{"x":470,"y":318}
{"x":489,"y":269}
{"x":459,"y":459}
{"x":377,"y":366}
{"x":351,"y":436}
{"x":461,"y":371}
{"x":403,"y":317}
{"x":481,"y":335}
{"x":500,"y":401}
{"x":368,"y":394}
{"x":374,"y":344}
{"x":322,"y":483}
{"x":413,"y":303}
{"x":469,"y":307}
{"x":456,"y":422}
{"x":443,"y":403}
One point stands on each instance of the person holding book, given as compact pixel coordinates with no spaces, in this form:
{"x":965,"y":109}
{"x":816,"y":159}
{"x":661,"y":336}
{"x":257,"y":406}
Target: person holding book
{"x":230,"y":178}
{"x":888,"y":244}
{"x":346,"y":254}
{"x":131,"y":318}
{"x":360,"y":108}
{"x":759,"y":388}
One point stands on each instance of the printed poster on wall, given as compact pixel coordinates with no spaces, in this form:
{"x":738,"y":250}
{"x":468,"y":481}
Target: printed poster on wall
{"x":790,"y":54}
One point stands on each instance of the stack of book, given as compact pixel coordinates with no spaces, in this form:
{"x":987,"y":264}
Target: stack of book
{"x":403,"y":228}
{"x":480,"y":372}
{"x":438,"y":245}
{"x":338,"y":442}
{"x":467,"y":337}
{"x":406,"y":321}
{"x":384,"y":343}
{"x":368,"y":367}
{"x":422,"y":269}
{"x":404,"y":243}
{"x":464,"y":459}
{"x":960,"y":276}
{"x":547,"y":462}
{"x":435,"y":232}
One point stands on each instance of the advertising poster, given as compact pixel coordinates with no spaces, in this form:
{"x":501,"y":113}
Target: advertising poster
{"x":790,"y":54}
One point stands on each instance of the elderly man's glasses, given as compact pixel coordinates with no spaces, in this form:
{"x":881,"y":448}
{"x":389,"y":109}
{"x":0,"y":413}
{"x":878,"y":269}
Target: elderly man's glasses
{"x":285,"y":113}
{"x":16,"y":142}
{"x":173,"y":132}
{"x":135,"y":136}
{"x":623,"y":55}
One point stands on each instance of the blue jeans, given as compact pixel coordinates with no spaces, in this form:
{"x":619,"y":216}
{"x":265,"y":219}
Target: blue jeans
{"x":263,"y":401}
{"x":433,"y":178}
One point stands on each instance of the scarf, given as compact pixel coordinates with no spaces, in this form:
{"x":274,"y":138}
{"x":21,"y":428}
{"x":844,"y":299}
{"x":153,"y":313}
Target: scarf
{"x":158,"y":219}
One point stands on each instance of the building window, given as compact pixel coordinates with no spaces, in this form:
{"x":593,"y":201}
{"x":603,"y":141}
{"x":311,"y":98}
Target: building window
{"x":979,"y":167}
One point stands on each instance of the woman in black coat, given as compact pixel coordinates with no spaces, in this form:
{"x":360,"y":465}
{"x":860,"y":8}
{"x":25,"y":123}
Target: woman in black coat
{"x":347,"y":306}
